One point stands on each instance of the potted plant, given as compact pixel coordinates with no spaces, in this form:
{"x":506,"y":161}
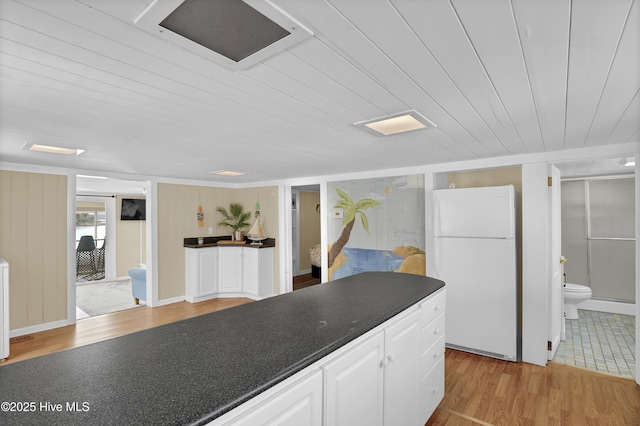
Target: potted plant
{"x":236,"y":218}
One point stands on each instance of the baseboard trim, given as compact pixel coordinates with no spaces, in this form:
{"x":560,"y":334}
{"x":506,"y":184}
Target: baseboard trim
{"x":37,"y":328}
{"x":170,"y":301}
{"x":608,"y":306}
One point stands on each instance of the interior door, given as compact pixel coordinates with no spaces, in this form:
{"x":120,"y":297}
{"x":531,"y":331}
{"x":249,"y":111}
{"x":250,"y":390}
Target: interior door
{"x":556,"y":297}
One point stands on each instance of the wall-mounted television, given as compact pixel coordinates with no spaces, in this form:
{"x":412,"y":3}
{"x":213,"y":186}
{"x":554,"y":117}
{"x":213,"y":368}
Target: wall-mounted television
{"x":133,"y":209}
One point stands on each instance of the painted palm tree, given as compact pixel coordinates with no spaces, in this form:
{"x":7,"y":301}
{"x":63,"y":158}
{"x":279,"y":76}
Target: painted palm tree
{"x":351,"y":210}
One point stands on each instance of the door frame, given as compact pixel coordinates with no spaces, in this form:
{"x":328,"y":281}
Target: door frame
{"x":556,"y":294}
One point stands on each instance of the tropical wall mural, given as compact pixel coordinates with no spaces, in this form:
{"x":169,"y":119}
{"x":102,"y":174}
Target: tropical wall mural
{"x":376,"y":224}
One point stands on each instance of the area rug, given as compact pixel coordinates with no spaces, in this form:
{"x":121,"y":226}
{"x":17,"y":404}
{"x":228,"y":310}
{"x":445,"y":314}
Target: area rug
{"x":105,"y":297}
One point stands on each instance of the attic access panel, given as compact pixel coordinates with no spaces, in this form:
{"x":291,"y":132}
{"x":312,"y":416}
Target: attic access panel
{"x":234,"y":33}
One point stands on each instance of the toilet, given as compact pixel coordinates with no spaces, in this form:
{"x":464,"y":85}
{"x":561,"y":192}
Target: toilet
{"x":574,"y":294}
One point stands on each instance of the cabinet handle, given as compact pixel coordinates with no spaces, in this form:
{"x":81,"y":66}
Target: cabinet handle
{"x":435,"y":390}
{"x":436,"y":331}
{"x":384,"y":363}
{"x":436,"y":355}
{"x":391,"y":358}
{"x":437,"y":307}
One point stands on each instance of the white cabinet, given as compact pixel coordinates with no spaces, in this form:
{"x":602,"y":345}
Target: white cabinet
{"x":402,"y":380}
{"x":299,"y":404}
{"x":246,"y":270}
{"x":230,"y":269}
{"x":355,"y":384}
{"x":392,"y":375}
{"x":432,"y":347}
{"x":201,"y":280}
{"x":257,"y":271}
{"x":395,"y":377}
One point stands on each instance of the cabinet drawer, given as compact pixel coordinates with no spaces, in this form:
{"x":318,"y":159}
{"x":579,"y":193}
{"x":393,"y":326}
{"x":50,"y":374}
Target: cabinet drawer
{"x":431,"y":391}
{"x":432,"y":308}
{"x":431,"y":356}
{"x":431,"y":332}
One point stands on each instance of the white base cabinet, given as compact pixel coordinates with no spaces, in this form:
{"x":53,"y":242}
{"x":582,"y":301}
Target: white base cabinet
{"x":392,"y":375}
{"x":201,"y":279}
{"x":298,"y":404}
{"x":257,"y":271}
{"x":354,"y":385}
{"x":229,"y":271}
{"x":402,"y":380}
{"x":245,"y":271}
{"x":431,"y":354}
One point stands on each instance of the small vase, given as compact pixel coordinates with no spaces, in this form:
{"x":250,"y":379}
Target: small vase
{"x":237,"y":235}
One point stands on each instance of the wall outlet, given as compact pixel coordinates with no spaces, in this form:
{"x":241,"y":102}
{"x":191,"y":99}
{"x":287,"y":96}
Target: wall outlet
{"x":210,"y":230}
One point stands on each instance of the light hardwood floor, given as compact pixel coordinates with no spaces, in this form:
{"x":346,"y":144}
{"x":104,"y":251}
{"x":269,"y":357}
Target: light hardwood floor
{"x":478,"y":390}
{"x":486,"y":391}
{"x":95,"y":329}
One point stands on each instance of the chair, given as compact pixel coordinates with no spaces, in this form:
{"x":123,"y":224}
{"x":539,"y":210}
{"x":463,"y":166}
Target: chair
{"x":138,"y":283}
{"x":316,"y":264}
{"x":100,"y":260}
{"x":85,"y":256}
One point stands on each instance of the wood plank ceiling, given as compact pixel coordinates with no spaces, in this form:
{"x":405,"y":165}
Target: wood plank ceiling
{"x":497,"y":77}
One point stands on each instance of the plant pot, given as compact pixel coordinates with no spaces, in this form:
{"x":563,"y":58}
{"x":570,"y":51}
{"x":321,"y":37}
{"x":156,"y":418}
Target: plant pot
{"x":237,"y":235}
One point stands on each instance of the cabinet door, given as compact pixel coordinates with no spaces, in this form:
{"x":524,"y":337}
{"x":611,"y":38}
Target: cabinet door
{"x":230,"y":269}
{"x":354,"y":385}
{"x":402,"y":374}
{"x":298,"y":405}
{"x":207,"y":260}
{"x":251,"y":271}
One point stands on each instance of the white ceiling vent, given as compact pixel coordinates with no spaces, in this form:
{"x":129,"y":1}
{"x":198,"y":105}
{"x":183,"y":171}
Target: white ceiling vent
{"x":236,"y":34}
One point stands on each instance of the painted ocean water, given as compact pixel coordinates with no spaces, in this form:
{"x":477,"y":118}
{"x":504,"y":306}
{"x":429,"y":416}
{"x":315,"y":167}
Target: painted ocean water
{"x":361,"y":260}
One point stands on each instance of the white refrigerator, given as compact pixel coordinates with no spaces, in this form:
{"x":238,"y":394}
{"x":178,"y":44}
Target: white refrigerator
{"x":475,"y":254}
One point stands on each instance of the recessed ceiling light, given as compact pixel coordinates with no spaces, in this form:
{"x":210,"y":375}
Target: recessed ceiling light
{"x":395,"y":123}
{"x":52,"y":149}
{"x":91,"y":177}
{"x":226,"y":173}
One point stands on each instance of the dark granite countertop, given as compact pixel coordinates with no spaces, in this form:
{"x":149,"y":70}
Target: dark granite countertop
{"x":226,"y":242}
{"x":195,"y":370}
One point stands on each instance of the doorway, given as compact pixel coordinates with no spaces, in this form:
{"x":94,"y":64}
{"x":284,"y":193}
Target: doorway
{"x":105,"y":246}
{"x":305,"y":235}
{"x":598,"y":239}
{"x":91,"y":232}
{"x":99,"y":290}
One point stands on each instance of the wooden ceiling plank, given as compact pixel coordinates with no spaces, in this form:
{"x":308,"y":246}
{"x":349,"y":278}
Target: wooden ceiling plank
{"x":595,"y":32}
{"x":493,"y":32}
{"x":624,"y":74}
{"x":418,"y":65}
{"x":544,"y":33}
{"x":328,"y":62}
{"x":438,"y":28}
{"x":331,"y":27}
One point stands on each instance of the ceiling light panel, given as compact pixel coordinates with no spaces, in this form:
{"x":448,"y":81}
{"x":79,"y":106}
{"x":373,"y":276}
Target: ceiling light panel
{"x":50,"y":149}
{"x":396,"y":123}
{"x":236,"y":34}
{"x":227,"y":173}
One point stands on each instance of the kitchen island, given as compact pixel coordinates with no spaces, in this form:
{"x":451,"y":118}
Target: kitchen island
{"x":212,"y":367}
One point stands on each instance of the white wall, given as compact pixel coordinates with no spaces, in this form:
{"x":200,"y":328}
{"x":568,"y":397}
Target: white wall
{"x":637,"y":267}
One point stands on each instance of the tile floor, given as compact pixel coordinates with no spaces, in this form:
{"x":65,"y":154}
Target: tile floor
{"x":600,"y":341}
